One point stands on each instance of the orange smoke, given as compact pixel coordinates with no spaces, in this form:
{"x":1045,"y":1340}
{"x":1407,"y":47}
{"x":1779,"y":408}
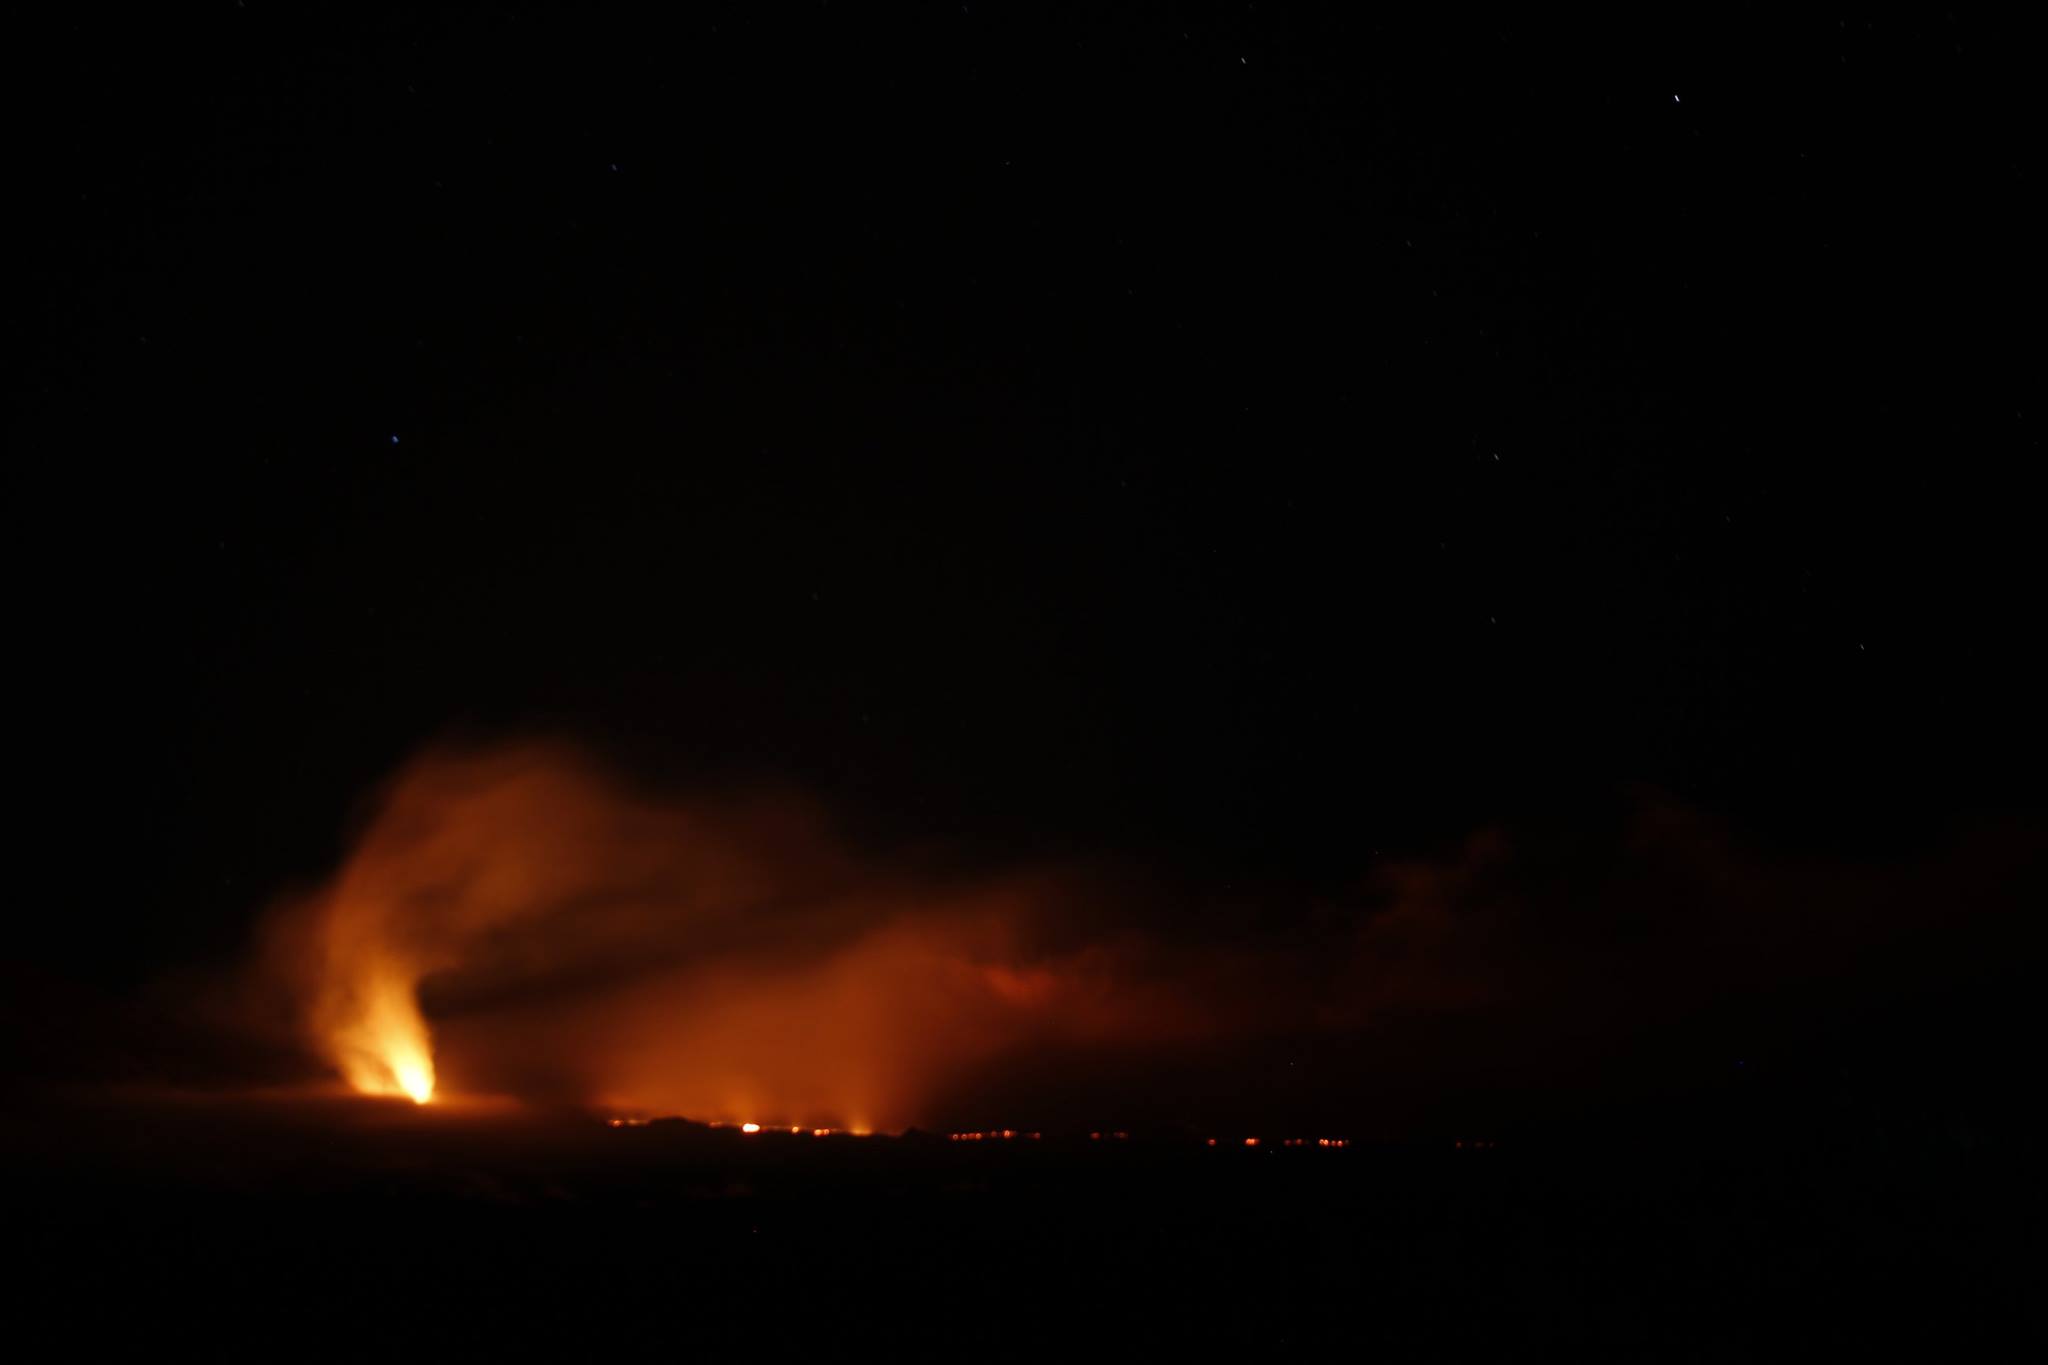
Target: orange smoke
{"x":576,"y":940}
{"x":516,"y":921}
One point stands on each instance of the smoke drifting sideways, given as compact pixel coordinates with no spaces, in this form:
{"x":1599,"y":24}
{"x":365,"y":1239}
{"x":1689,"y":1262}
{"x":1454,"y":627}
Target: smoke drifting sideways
{"x":515,"y":920}
{"x":729,"y":961}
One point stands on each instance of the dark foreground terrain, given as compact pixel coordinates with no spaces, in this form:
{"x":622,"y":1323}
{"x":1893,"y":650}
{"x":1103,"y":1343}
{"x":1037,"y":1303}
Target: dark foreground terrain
{"x":292,"y":1228}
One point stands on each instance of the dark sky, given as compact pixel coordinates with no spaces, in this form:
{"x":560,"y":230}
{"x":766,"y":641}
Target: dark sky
{"x":1252,"y":440}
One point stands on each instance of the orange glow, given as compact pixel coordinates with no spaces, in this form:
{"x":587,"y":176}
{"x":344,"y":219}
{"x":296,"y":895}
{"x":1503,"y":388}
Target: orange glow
{"x":750,"y":1128}
{"x":415,"y":1076}
{"x":362,"y":1009}
{"x":996,"y":1135}
{"x":1251,"y":1142}
{"x":572,"y":939}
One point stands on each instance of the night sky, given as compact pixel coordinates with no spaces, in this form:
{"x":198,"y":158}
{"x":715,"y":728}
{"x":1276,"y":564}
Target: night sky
{"x":1246,"y":443}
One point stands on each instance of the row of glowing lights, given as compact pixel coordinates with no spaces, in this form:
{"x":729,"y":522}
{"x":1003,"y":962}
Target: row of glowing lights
{"x":996,"y":1135}
{"x":421,"y":1088}
{"x":1015,"y":1135}
{"x":1006,"y":1134}
{"x":748,"y":1128}
{"x":1011,"y":1134}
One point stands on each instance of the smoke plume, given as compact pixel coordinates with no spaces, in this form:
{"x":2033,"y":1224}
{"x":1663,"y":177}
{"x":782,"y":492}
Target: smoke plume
{"x":516,"y":920}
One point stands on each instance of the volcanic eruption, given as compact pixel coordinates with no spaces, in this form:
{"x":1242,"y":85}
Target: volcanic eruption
{"x":731,"y":960}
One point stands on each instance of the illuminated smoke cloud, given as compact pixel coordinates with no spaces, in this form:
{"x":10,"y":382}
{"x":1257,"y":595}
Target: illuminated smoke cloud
{"x":517,"y":921}
{"x":728,"y":960}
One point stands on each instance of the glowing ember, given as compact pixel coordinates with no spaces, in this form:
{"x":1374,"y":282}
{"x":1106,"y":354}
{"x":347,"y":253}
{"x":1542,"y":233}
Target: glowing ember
{"x":750,"y":1128}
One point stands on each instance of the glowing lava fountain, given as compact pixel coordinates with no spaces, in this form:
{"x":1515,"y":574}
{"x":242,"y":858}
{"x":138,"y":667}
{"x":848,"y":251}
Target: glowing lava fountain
{"x":374,"y":1030}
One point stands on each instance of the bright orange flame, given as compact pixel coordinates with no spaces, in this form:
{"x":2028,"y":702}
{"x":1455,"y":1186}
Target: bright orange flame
{"x":368,"y":1017}
{"x":416,"y":1079}
{"x":750,"y":1128}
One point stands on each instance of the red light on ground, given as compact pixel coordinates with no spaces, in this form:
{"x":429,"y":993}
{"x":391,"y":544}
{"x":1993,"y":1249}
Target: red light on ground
{"x":1251,"y":1142}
